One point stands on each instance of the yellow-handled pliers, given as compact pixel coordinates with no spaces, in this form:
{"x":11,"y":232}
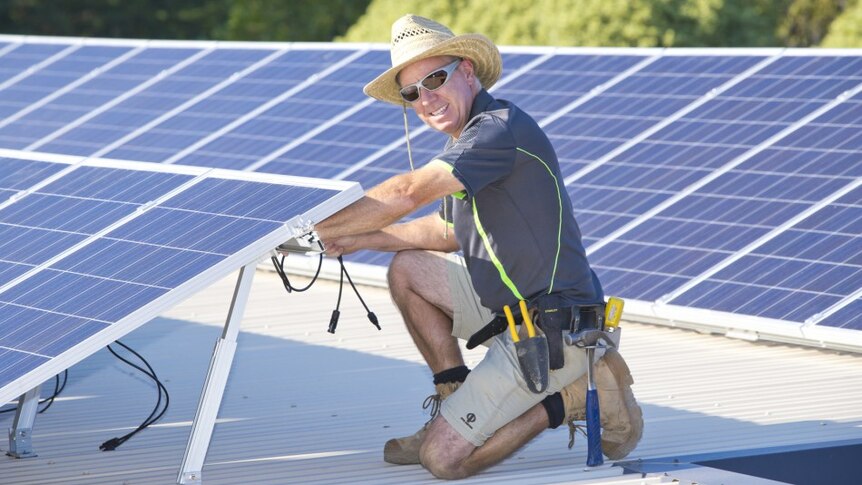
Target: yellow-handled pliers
{"x":531,"y":330}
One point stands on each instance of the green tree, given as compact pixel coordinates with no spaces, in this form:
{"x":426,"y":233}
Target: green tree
{"x":846,"y":30}
{"x":644,"y":23}
{"x":292,"y":20}
{"x":152,"y":19}
{"x":807,"y":21}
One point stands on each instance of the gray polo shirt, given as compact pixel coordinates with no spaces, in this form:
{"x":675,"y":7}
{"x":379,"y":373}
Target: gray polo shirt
{"x":514,"y":221}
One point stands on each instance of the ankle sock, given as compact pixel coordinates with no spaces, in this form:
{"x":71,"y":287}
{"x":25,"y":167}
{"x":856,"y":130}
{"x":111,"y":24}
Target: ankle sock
{"x":555,"y":408}
{"x":455,"y":374}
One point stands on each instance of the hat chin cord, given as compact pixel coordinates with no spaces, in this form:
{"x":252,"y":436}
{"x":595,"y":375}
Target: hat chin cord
{"x":413,"y":169}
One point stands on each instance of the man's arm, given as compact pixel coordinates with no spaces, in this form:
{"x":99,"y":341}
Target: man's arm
{"x":423,"y":233}
{"x":389,"y":201}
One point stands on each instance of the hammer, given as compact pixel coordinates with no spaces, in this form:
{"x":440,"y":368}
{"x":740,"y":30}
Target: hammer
{"x":589,"y":340}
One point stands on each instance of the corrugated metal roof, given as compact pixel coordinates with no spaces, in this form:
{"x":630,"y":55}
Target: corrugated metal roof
{"x":304,"y":406}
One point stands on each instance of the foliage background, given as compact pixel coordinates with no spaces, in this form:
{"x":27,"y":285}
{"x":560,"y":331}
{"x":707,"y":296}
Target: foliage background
{"x":648,"y":23}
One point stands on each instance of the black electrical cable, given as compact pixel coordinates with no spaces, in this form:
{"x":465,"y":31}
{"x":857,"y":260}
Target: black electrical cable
{"x":279,"y":268}
{"x":371,"y":316}
{"x":155,"y":415}
{"x":333,"y":320}
{"x":58,"y":388}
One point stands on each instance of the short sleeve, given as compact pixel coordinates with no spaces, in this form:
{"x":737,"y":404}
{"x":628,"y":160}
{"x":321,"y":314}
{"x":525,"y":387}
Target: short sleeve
{"x":484,"y":153}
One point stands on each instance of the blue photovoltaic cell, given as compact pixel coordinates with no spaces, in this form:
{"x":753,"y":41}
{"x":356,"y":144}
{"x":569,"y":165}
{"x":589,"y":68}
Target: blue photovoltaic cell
{"x":803,"y":271}
{"x":849,"y":317}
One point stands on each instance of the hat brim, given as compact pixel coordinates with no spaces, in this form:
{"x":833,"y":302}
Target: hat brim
{"x":485,"y":56}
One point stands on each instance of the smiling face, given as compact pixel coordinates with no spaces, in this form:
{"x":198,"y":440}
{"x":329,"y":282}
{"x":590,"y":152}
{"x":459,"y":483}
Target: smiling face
{"x":446,"y":109}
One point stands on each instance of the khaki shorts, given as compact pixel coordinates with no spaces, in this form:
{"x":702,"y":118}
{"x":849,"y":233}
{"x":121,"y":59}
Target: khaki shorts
{"x":495,"y":392}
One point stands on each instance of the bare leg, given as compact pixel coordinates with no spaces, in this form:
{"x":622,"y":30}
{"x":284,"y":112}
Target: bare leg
{"x":446,"y":454}
{"x":419,"y":285}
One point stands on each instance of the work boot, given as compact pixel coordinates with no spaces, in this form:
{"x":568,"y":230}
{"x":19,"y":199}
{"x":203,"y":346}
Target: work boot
{"x":621,"y":417}
{"x":405,"y":451}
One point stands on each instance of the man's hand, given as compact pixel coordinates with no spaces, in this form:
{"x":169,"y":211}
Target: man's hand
{"x":341,"y":246}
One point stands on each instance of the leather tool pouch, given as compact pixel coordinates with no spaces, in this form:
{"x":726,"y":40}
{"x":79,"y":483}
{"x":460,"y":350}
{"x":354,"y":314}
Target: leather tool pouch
{"x":553,"y":322}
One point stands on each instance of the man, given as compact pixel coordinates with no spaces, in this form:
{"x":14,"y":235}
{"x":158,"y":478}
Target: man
{"x":506,"y":209}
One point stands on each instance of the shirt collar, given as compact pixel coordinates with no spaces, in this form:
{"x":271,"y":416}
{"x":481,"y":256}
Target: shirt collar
{"x":480,"y":103}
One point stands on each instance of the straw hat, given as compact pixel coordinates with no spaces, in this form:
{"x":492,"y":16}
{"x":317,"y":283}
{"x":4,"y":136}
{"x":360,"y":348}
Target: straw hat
{"x":415,"y":38}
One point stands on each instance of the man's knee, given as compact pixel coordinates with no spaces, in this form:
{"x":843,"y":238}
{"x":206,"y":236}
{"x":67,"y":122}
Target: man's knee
{"x":444,"y":451}
{"x":402,"y":270}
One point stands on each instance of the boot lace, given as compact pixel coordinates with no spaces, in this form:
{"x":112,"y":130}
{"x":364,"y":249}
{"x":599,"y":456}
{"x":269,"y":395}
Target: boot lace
{"x":433,"y":401}
{"x":574,"y":429}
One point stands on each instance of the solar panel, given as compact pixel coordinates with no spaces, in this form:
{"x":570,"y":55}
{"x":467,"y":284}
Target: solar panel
{"x":94,"y":248}
{"x":684,"y":165}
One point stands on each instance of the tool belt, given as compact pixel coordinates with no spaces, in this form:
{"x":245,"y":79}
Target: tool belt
{"x":554,"y":320}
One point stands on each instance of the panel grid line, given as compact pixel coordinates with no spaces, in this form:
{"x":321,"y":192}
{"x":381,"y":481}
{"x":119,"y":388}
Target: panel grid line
{"x":119,"y":99}
{"x":52,"y":312}
{"x":189,"y":103}
{"x":35,"y":354}
{"x":631,"y":142}
{"x":104,"y":278}
{"x":264,"y":107}
{"x":9,"y":48}
{"x":166,"y":246}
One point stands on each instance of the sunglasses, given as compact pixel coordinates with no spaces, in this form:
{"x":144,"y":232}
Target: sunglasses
{"x":431,"y":82}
